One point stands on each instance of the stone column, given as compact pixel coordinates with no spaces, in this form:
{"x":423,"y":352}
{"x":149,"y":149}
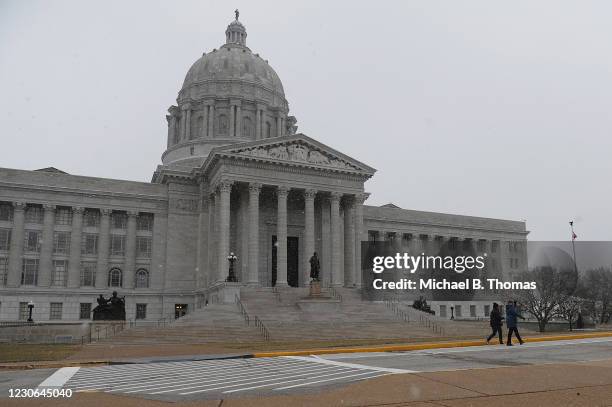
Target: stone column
{"x":254,"y":190}
{"x":281,"y":237}
{"x":309,"y":229}
{"x":212,"y":237}
{"x":129,"y":271}
{"x":225,"y":189}
{"x":258,"y":123}
{"x":103,"y":249}
{"x":16,"y":250}
{"x":278,"y":126}
{"x":359,"y":199}
{"x":201,"y":278}
{"x":46,"y":249}
{"x":232,"y":118}
{"x":337,"y":276}
{"x":349,"y":243}
{"x":170,"y":120}
{"x":211,"y":119}
{"x":187,"y":115}
{"x":74,"y":263}
{"x":325,"y":242}
{"x":238,"y":119}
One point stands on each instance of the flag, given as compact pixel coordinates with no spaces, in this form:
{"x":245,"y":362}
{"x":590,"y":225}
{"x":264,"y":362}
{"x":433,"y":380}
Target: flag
{"x":574,"y":236}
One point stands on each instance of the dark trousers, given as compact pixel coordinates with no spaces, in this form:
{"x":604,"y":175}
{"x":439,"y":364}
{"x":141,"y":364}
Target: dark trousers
{"x":496,"y":330}
{"x":516,"y":332}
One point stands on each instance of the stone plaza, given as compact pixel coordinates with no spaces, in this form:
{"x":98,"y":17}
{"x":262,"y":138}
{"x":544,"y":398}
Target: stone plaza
{"x":236,"y":177}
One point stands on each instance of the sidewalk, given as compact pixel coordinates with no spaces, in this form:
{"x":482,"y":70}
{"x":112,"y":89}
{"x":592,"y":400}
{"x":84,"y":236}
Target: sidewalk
{"x":157,"y":355}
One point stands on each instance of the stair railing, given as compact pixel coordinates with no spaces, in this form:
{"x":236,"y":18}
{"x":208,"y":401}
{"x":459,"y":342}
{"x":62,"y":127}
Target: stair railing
{"x":242,"y":310}
{"x":256,"y":321}
{"x":335,"y":294}
{"x":262,"y":329}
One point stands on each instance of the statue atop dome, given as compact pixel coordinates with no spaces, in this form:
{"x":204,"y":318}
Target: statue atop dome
{"x":237,"y":14}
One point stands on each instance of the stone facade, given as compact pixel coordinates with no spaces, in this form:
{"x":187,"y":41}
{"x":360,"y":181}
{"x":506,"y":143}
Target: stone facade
{"x":235,"y":177}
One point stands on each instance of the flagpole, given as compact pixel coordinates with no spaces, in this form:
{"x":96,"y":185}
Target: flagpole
{"x":574,"y":246}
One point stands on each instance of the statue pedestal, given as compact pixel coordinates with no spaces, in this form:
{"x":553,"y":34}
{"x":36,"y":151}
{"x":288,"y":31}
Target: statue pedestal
{"x":315,"y":289}
{"x":318,"y":303}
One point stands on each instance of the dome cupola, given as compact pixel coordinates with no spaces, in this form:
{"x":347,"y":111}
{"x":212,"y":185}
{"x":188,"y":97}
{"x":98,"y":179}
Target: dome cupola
{"x":236,"y":33}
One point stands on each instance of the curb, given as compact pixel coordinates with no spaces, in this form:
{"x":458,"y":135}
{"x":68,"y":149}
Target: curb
{"x":422,"y":346}
{"x":389,"y":348}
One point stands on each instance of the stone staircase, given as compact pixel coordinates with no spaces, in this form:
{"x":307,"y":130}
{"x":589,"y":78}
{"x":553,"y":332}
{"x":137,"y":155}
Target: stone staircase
{"x":278,"y":312}
{"x":355,"y":319}
{"x":213,"y":323}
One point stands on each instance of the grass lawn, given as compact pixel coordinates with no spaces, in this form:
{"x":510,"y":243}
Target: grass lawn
{"x":35,"y":352}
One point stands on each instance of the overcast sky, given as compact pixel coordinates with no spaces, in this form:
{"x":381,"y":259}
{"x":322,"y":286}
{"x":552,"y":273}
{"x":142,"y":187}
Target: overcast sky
{"x":485,"y":108}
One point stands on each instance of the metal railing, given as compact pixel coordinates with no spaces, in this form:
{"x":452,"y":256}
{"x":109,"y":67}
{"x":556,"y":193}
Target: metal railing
{"x":400,"y":313}
{"x":242,"y":310}
{"x":423,"y":320}
{"x":257,"y":323}
{"x":262,"y":329}
{"x":335,"y":294}
{"x":277,"y":294}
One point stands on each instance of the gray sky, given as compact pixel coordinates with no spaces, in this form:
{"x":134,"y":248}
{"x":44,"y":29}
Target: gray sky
{"x":486,"y":108}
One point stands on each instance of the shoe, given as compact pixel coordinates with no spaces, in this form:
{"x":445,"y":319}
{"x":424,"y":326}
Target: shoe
{"x":521,"y":342}
{"x":487,"y":341}
{"x":509,"y":344}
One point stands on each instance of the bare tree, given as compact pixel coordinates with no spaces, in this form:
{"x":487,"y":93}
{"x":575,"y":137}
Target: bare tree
{"x":596,"y":287}
{"x":553,"y":287}
{"x":569,"y":309}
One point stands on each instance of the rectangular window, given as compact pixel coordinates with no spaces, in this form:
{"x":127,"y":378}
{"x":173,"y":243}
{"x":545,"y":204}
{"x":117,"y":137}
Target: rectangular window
{"x":89,"y":244}
{"x":88,"y":274}
{"x":5,"y":239}
{"x":443,"y":311}
{"x":481,"y":245}
{"x":452,"y":243}
{"x":487,"y":310}
{"x":34,"y":214}
{"x":141,"y":311}
{"x":29,"y":273}
{"x":458,"y":311}
{"x":3,"y":270}
{"x":117,"y":245}
{"x":143,"y":246}
{"x":6,"y":212}
{"x":63,"y":216}
{"x":55,"y":310}
{"x":119,"y":220}
{"x":32,"y":241}
{"x":494,"y":246}
{"x":144,"y":222}
{"x":85,"y":310}
{"x":61,"y":243}
{"x":473,"y":311}
{"x":60,"y":272}
{"x":24,"y":313}
{"x":91,"y":218}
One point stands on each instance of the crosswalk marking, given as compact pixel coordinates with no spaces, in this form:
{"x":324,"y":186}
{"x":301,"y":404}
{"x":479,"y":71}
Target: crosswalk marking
{"x":212,"y":378}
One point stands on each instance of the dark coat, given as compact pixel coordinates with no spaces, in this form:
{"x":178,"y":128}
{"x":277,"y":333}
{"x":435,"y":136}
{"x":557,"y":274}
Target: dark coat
{"x":496,"y":318}
{"x":511,"y":316}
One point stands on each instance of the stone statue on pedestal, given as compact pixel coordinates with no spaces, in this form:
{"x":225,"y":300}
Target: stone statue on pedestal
{"x":315,"y":267}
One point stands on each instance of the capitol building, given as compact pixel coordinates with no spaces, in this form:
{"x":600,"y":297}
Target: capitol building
{"x":235,"y":177}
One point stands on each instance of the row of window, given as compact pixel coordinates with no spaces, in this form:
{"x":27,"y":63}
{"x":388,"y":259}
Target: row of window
{"x":85,"y":310}
{"x":422,"y":239}
{"x":59,"y":274}
{"x":89,"y":243}
{"x":34,"y":214}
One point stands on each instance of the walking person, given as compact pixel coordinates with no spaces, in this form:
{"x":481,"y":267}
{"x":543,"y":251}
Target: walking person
{"x":511,"y":316}
{"x":496,"y":323}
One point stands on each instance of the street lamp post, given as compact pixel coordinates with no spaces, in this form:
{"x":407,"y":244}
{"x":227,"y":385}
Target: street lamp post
{"x":452,"y":313}
{"x":30,"y":308}
{"x":232,"y":275}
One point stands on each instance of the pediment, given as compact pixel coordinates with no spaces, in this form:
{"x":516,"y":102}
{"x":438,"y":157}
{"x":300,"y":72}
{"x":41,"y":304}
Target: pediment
{"x":296,"y":150}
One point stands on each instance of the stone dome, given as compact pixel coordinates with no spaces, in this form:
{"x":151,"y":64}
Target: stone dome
{"x":229,"y":95}
{"x":233,"y":62}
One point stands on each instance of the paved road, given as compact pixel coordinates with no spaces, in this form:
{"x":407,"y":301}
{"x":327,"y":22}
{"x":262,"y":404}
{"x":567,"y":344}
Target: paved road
{"x":216,"y":379}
